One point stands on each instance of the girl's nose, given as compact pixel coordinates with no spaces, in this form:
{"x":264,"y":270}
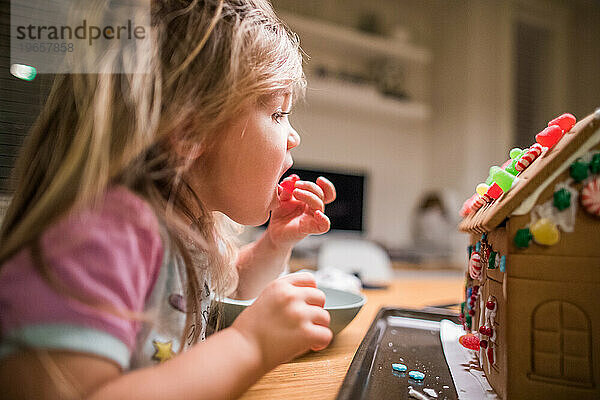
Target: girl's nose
{"x":293,"y":139}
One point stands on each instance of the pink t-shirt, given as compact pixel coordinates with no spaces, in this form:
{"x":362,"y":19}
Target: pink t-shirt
{"x":112,"y":255}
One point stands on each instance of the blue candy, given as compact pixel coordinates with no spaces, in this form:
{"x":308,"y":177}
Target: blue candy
{"x":399,"y":367}
{"x":502,"y":263}
{"x":417,"y":375}
{"x":478,"y":246}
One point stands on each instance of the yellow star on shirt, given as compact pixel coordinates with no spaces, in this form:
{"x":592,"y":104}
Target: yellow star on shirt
{"x":164,"y":351}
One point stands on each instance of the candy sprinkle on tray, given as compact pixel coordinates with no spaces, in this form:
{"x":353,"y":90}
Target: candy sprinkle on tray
{"x":399,"y":367}
{"x":417,"y":375}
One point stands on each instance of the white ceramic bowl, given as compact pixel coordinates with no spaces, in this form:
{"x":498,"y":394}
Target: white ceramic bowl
{"x":342,"y":306}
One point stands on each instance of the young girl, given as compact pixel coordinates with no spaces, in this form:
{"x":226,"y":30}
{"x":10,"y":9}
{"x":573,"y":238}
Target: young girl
{"x":115,"y":235}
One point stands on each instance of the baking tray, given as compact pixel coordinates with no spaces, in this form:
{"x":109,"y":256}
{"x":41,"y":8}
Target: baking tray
{"x":410,"y":337}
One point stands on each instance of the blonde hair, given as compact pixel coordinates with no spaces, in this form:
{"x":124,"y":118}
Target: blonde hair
{"x":96,"y":130}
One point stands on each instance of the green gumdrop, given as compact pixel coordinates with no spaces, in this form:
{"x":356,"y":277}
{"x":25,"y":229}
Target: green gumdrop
{"x":489,"y":180}
{"x":516,"y":153}
{"x":492,"y":260}
{"x":522,"y":238}
{"x":562,"y":199}
{"x":595,"y":164}
{"x":512,"y":167}
{"x":503,"y":179}
{"x":579,"y":170}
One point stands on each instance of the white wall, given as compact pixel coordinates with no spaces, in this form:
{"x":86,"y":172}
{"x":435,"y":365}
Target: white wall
{"x":388,"y":148}
{"x":471,"y":101}
{"x":471,"y":94}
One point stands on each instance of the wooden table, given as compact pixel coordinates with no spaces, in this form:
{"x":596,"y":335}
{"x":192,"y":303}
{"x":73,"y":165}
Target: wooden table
{"x":320,"y":375}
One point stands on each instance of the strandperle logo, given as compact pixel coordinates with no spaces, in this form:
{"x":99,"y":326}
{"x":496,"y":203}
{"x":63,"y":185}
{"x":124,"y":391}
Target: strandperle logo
{"x":80,"y":36}
{"x":83,"y":31}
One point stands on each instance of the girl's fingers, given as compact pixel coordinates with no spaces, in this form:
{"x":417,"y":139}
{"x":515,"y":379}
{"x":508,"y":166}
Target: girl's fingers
{"x":322,"y":221}
{"x":321,"y":337}
{"x":313,"y":296}
{"x":328,"y":189}
{"x":311,"y":187}
{"x":320,"y":317}
{"x":314,"y":223}
{"x":302,"y":279}
{"x":310,"y":199}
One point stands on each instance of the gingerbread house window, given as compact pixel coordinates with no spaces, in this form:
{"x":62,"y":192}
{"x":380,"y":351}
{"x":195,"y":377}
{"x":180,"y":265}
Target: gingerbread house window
{"x":561,"y":344}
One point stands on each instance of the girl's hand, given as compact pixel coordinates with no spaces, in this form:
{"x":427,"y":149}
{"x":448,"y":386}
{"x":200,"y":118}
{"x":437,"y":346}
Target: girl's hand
{"x":286,"y":320}
{"x":300,"y":213}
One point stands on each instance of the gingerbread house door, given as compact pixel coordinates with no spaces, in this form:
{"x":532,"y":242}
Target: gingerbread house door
{"x":561,"y":344}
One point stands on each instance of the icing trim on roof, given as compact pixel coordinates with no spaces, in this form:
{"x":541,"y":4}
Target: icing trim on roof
{"x":527,"y":204}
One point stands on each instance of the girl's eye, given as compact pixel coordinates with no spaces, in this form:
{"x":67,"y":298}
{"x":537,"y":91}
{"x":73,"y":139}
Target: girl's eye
{"x":278,"y":115}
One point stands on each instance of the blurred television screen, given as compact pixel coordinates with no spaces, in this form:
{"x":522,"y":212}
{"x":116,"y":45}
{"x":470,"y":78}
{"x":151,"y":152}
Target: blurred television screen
{"x":347,"y":211}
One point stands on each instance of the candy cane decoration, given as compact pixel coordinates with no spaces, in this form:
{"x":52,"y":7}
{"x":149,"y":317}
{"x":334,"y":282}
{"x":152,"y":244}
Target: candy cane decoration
{"x":478,"y":203}
{"x":475,"y":266}
{"x":534,"y":152}
{"x":590,"y":197}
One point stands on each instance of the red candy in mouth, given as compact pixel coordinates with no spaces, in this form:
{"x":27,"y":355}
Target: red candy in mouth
{"x":289,"y":183}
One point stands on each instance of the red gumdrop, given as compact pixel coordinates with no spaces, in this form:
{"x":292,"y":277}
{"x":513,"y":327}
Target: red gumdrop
{"x":469,"y":341}
{"x":482,"y":329}
{"x":288,"y":186}
{"x":466,"y":207}
{"x":549,"y":136}
{"x":565,"y":121}
{"x":483,"y":344}
{"x":490,"y":305}
{"x":494,"y":191}
{"x":490,"y":354}
{"x":475,"y":289}
{"x":289,"y":183}
{"x":471,"y":312}
{"x":488,"y":332}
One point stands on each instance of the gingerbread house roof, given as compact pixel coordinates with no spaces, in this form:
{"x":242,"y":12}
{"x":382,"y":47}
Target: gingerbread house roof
{"x":552,"y":162}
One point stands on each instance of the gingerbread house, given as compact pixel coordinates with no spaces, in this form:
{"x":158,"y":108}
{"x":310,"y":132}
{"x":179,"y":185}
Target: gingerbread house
{"x":533,"y":280}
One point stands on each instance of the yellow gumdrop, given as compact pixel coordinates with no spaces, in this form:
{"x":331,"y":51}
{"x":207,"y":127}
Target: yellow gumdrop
{"x":481,"y":189}
{"x":545,"y":232}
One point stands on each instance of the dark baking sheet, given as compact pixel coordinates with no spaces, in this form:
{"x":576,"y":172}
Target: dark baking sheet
{"x":404,"y":336}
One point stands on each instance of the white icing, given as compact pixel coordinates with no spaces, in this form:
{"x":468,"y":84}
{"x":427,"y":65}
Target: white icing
{"x":490,"y":318}
{"x":530,"y":201}
{"x":514,"y":183}
{"x":479,"y":335}
{"x":416,"y":394}
{"x":431,"y":392}
{"x":565,"y":219}
{"x":469,"y":380}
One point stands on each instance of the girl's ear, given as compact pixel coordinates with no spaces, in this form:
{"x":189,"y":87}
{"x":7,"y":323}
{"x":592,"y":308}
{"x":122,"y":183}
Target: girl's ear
{"x":184,"y":146}
{"x":186,"y":149}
